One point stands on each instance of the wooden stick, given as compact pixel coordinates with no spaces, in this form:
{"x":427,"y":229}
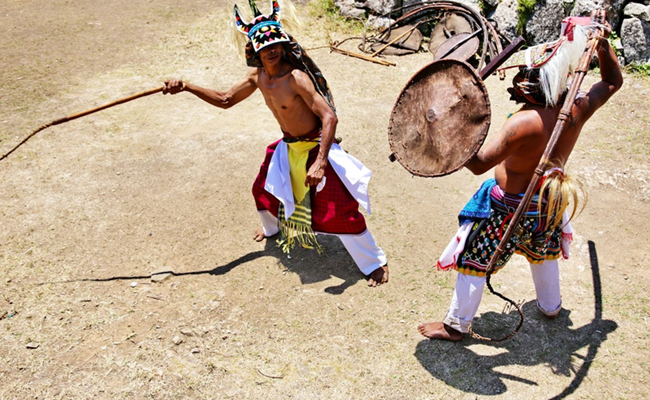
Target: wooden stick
{"x":362,"y":56}
{"x":82,"y":114}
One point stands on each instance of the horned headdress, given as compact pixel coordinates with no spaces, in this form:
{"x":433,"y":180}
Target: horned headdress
{"x":544,"y":70}
{"x":263,"y":30}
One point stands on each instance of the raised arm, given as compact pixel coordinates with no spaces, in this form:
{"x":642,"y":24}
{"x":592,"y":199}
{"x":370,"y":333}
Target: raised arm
{"x":611,"y":79}
{"x":240,"y":90}
{"x":305,"y":89}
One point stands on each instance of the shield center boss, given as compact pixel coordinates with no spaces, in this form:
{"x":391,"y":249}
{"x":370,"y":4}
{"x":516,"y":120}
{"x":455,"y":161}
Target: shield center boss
{"x":440,"y":119}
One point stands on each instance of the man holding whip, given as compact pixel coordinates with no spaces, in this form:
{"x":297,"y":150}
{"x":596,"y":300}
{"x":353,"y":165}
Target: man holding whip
{"x":544,"y":232}
{"x":307,"y":183}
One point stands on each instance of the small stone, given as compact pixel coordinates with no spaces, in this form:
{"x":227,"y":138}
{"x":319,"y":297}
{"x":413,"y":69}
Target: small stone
{"x":195,"y":350}
{"x":177,"y":340}
{"x":161,"y":274}
{"x":134,"y":284}
{"x":187,"y":332}
{"x":32,"y":345}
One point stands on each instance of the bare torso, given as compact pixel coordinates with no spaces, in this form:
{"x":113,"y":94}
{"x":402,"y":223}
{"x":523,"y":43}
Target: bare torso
{"x":290,"y":110}
{"x":515,"y":172}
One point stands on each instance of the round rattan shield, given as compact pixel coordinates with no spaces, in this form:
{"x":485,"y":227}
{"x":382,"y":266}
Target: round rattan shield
{"x":440,"y":119}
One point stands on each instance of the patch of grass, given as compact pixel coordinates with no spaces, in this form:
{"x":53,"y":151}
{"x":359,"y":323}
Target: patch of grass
{"x":638,"y":69}
{"x":525,"y":9}
{"x":328,"y":13}
{"x":485,"y":7}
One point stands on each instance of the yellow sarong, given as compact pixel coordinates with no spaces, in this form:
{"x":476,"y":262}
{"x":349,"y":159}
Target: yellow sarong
{"x":298,"y":225}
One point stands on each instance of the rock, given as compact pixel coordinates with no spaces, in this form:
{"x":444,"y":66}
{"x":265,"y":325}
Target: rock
{"x":377,"y":22}
{"x":505,"y":17}
{"x":195,"y":350}
{"x":349,"y":9}
{"x":582,"y":8}
{"x":32,"y":345}
{"x":545,"y":23}
{"x":636,"y":42}
{"x":161,"y":274}
{"x":637,"y":10}
{"x":379,"y":7}
{"x":187,"y":332}
{"x":177,"y":340}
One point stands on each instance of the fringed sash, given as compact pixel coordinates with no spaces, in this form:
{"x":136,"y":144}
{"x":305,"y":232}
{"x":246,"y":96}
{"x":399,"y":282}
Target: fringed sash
{"x":298,"y":226}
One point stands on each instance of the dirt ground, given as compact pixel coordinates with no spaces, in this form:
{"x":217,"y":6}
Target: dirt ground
{"x":91,"y":208}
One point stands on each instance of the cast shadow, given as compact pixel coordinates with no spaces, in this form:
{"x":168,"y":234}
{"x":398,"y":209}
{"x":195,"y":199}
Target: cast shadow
{"x":540,"y":342}
{"x":311,"y":267}
{"x":220,"y":270}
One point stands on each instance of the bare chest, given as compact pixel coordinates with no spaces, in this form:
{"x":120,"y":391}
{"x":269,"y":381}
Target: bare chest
{"x":278,"y":95}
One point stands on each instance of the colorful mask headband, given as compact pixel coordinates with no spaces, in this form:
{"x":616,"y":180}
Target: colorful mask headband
{"x":263,"y":30}
{"x":537,"y":56}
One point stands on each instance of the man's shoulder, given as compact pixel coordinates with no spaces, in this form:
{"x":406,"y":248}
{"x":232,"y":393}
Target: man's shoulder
{"x":526,"y":122}
{"x":298,"y":75}
{"x":254,"y":72}
{"x":300,"y":80}
{"x":524,"y":117}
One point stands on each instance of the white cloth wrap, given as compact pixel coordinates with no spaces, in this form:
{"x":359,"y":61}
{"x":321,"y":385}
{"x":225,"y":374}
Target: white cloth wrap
{"x":354,"y":175}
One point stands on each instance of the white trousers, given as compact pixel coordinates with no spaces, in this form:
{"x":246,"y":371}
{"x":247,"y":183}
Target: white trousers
{"x":362,"y":247}
{"x":469,"y":291}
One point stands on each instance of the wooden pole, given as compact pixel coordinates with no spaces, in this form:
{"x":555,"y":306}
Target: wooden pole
{"x":362,"y":56}
{"x":82,"y":114}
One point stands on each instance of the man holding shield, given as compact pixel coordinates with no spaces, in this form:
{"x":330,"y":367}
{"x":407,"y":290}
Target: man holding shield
{"x":515,"y":152}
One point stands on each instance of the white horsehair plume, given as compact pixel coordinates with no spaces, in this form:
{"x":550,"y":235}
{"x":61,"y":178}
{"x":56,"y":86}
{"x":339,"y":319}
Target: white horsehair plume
{"x":554,"y":75}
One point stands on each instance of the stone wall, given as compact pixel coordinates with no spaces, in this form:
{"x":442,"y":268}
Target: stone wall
{"x":630,"y":20}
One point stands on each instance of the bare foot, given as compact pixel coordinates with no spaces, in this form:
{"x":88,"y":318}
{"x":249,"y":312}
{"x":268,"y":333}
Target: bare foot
{"x":440,"y":331}
{"x":378,"y":276}
{"x":259,"y":235}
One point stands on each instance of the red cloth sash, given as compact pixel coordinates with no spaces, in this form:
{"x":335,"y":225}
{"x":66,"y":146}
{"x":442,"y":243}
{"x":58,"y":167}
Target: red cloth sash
{"x":334,"y":210}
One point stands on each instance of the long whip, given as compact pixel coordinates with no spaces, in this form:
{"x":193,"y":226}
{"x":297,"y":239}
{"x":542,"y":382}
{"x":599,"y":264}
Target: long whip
{"x":82,"y":114}
{"x":565,"y":113}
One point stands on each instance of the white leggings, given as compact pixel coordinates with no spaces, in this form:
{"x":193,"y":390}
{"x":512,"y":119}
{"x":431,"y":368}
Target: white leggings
{"x":362,"y":247}
{"x":469,"y":290}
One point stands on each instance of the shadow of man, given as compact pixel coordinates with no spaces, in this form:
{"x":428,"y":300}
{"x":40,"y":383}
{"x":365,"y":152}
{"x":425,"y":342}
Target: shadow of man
{"x":540,"y":341}
{"x":311,"y":267}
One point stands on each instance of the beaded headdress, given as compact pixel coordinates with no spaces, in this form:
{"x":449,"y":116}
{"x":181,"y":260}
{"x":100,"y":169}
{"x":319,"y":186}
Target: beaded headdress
{"x":263,"y":30}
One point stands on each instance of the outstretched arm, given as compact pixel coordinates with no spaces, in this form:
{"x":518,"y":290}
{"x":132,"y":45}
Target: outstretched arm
{"x":305,"y":88}
{"x":240,"y":90}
